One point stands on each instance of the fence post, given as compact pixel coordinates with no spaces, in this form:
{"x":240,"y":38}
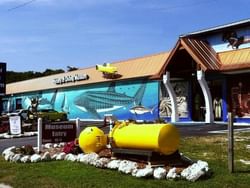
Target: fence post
{"x":78,"y":121}
{"x":230,"y":143}
{"x":39,"y":137}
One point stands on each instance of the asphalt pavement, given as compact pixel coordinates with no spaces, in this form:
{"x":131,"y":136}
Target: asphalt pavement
{"x":185,"y":130}
{"x":5,"y":143}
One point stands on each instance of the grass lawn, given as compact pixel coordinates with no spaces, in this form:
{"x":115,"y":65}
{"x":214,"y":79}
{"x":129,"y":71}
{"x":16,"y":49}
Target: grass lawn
{"x":212,"y":149}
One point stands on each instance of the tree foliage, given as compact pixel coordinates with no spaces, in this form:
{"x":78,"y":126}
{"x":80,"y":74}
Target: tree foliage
{"x":12,"y":76}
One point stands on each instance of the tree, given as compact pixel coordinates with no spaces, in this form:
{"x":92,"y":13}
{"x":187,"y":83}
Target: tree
{"x":70,"y":68}
{"x":12,"y":76}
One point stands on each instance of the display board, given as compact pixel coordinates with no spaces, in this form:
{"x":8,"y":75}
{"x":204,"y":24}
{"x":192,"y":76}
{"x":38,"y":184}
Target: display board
{"x":15,"y":125}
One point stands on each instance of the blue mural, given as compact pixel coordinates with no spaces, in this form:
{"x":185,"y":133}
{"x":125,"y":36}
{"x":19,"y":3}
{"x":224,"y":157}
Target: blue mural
{"x":96,"y":102}
{"x":125,"y":100}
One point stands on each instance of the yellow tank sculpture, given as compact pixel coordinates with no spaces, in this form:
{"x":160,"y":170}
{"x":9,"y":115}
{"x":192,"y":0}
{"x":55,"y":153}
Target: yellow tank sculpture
{"x":92,"y":139}
{"x":161,"y":138}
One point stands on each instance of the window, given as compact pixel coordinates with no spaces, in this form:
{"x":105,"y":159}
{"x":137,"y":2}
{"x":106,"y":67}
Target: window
{"x":19,"y":103}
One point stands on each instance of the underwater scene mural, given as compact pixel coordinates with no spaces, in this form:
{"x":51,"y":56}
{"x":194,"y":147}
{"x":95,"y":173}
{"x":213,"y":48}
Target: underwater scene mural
{"x":125,"y":100}
{"x":181,"y":91}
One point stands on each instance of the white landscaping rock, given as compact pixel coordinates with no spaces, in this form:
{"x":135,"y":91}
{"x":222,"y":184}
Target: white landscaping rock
{"x":48,"y":145}
{"x":145,"y":172}
{"x":160,"y":173}
{"x":8,"y":136}
{"x":90,"y":158}
{"x":195,"y":171}
{"x":2,"y":135}
{"x":70,"y":157}
{"x":25,"y":159}
{"x":2,"y":185}
{"x":79,"y":156}
{"x":102,"y":163}
{"x":61,"y":144}
{"x":35,"y":158}
{"x":172,"y":174}
{"x":35,"y":149}
{"x":26,"y":134}
{"x":245,"y":162}
{"x":46,"y":156}
{"x":127,"y":166}
{"x":60,"y":156}
{"x":7,"y":150}
{"x":8,"y":156}
{"x":203,"y":164}
{"x":17,"y":158}
{"x":54,"y":156}
{"x":114,"y":164}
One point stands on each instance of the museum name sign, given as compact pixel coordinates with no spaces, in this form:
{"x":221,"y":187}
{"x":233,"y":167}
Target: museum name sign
{"x":58,"y":132}
{"x":71,"y":78}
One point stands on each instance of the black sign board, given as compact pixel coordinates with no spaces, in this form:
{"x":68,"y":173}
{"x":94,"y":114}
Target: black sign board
{"x":58,"y":132}
{"x":2,"y":78}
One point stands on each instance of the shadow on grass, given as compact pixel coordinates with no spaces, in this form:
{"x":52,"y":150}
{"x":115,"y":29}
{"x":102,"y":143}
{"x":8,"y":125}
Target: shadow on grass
{"x":242,"y":171}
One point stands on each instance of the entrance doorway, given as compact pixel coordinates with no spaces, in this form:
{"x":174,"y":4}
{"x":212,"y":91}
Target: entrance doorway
{"x":198,"y":104}
{"x":216,"y":92}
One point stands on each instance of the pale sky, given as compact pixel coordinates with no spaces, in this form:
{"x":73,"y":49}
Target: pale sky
{"x":40,"y":34}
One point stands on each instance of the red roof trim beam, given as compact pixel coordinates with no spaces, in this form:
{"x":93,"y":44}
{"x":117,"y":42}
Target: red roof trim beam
{"x":202,"y":52}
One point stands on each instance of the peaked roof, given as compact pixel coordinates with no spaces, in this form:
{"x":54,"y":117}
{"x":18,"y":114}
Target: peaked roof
{"x":200,"y":51}
{"x":204,"y":54}
{"x":133,"y":68}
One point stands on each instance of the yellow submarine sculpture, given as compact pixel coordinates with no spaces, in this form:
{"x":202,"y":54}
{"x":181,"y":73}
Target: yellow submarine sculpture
{"x":106,"y":68}
{"x":161,"y":138}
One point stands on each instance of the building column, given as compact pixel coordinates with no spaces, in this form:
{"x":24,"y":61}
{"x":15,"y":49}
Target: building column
{"x":209,"y":117}
{"x":170,"y":90}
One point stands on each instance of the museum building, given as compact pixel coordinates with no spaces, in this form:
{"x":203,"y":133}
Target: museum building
{"x":201,"y":79}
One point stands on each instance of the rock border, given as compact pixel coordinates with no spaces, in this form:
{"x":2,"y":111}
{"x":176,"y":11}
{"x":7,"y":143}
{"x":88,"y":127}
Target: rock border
{"x":191,"y":173}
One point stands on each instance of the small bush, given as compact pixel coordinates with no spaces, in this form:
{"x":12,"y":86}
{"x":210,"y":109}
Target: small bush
{"x":72,"y":147}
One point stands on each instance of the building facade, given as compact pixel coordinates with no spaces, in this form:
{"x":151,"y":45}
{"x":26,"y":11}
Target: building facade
{"x":204,"y":77}
{"x":220,"y":55}
{"x":88,"y":94}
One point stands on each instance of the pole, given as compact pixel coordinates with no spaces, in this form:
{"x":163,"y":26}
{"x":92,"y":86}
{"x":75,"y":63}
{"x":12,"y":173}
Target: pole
{"x":77,"y":127}
{"x":110,"y":125}
{"x":230,"y":143}
{"x":39,"y":137}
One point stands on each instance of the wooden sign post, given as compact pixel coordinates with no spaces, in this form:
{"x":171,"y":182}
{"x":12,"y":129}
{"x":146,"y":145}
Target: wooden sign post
{"x":39,"y":137}
{"x":230,"y":143}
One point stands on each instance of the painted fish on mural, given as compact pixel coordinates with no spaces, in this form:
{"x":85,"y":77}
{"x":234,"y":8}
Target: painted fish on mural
{"x":96,"y":102}
{"x":139,"y":109}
